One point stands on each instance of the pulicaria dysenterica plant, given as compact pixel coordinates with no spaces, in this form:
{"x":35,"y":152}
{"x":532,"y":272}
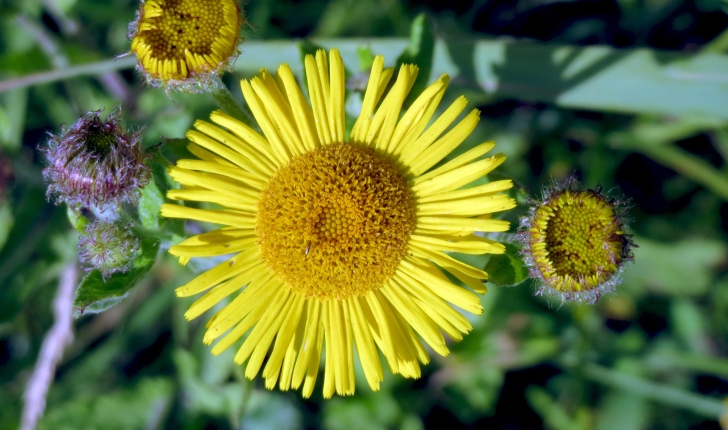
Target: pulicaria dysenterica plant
{"x":95,"y":163}
{"x":574,"y":242}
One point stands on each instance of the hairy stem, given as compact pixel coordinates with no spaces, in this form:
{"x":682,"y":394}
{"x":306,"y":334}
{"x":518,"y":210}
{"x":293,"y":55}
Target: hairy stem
{"x":225,"y":100}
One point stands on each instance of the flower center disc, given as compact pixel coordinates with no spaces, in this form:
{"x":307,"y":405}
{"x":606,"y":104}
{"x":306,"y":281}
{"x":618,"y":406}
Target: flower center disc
{"x":335,"y":222}
{"x":583,"y":239}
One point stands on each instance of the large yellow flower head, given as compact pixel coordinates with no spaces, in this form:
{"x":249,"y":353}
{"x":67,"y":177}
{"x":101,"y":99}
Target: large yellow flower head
{"x":340,"y":245}
{"x":183,"y":44}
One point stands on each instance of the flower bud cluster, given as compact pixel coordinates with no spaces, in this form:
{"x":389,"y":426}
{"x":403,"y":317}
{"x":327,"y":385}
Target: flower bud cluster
{"x":95,"y":166}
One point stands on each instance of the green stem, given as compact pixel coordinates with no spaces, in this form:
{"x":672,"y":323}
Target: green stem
{"x":688,"y":165}
{"x":701,"y":405}
{"x":690,"y":361}
{"x":225,"y":100}
{"x":71,"y":72}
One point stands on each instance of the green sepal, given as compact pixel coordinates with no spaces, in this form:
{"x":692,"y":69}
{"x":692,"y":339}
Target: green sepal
{"x":507,"y":269}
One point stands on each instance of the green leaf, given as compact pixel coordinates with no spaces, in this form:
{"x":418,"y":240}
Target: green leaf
{"x":598,"y":78}
{"x":94,"y":294}
{"x":176,"y":148}
{"x":144,"y":405}
{"x":507,"y":269}
{"x":154,"y":194}
{"x":420,"y":52}
{"x":366,"y":57}
{"x":149,"y":206}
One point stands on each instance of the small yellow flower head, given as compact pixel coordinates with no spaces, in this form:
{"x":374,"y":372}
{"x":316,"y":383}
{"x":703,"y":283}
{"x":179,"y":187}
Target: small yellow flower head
{"x":574,"y":243}
{"x":95,"y":163}
{"x":184,"y":44}
{"x":107,"y":247}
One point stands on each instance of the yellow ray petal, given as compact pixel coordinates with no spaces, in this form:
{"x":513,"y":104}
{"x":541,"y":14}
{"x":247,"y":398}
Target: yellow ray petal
{"x":226,"y":217}
{"x":257,"y":107}
{"x":456,"y":178}
{"x":477,"y":191}
{"x":318,"y":101}
{"x":361,"y":127}
{"x":217,"y":274}
{"x":458,"y":296}
{"x":302,"y":112}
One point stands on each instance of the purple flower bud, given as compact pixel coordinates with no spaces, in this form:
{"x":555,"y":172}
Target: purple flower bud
{"x":96,"y":163}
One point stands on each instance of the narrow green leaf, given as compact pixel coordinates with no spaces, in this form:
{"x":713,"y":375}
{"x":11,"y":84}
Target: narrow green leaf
{"x":507,"y":269}
{"x":95,"y":294}
{"x":420,"y":52}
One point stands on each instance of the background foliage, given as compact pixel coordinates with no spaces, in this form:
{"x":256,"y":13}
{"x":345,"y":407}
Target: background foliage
{"x":628,"y":94}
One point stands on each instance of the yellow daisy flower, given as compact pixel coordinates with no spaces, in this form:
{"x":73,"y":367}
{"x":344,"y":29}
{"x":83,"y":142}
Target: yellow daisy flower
{"x":183,"y":43}
{"x":340,"y":244}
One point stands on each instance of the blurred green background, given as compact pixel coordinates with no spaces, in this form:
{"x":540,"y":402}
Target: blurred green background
{"x":631,"y":95}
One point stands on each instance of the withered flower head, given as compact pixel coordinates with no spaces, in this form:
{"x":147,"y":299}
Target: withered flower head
{"x":184,"y":44}
{"x":108,"y":247}
{"x":95,"y":162}
{"x":575,"y":243}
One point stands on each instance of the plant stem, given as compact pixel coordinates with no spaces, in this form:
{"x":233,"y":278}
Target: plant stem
{"x":689,"y":165}
{"x":701,"y":405}
{"x":70,"y":72}
{"x":225,"y":100}
{"x":51,"y":352}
